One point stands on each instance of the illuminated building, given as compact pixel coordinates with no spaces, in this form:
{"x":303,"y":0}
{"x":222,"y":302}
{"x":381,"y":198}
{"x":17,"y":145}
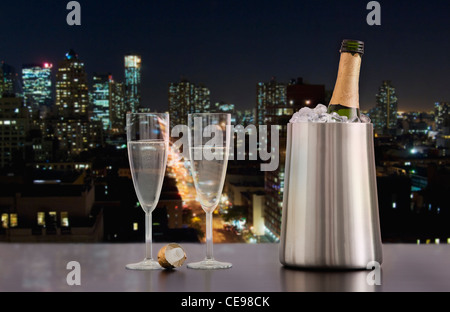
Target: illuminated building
{"x":50,"y":206}
{"x":74,"y":129}
{"x":72,"y":98}
{"x":442,"y":115}
{"x":132,"y":82}
{"x":276,"y":103}
{"x":117,"y":108}
{"x":384,"y":118}
{"x":245,"y":117}
{"x":222,"y":107}
{"x":14,"y":125}
{"x":442,"y":119}
{"x":202,"y":100}
{"x":255,"y":200}
{"x":37,"y":94}
{"x":187,"y":98}
{"x":8,"y":80}
{"x":37,"y":85}
{"x":100,"y":99}
{"x":270,"y":94}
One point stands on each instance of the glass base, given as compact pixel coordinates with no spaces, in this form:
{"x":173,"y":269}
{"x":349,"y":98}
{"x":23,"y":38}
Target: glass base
{"x":144,"y":265}
{"x":209,"y":264}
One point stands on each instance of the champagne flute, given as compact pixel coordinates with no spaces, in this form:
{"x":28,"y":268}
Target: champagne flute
{"x":148,"y":143}
{"x":209,"y":142}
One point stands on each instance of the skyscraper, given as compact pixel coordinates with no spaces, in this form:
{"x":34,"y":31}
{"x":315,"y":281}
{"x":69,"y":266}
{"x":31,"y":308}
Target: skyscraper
{"x":72,"y":97}
{"x":276,"y":103}
{"x":100,"y":99}
{"x":442,"y":121}
{"x":132,"y":82}
{"x":74,"y":130}
{"x":222,"y":107}
{"x":245,"y":117}
{"x":14,"y":126}
{"x":37,"y":86}
{"x":385,"y":120}
{"x":117,"y":107}
{"x":8,"y":80}
{"x":269,"y":94}
{"x":442,"y":115}
{"x":187,"y":98}
{"x":202,"y":101}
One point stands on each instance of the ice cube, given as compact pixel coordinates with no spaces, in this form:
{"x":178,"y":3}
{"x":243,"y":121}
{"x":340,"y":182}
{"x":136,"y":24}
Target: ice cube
{"x":313,"y":116}
{"x":294,"y":117}
{"x":355,"y":119}
{"x":365,"y":118}
{"x":320,"y":109}
{"x":335,"y":117}
{"x":323,"y":117}
{"x":298,"y":118}
{"x":304,"y":111}
{"x":319,"y":114}
{"x":303,"y":118}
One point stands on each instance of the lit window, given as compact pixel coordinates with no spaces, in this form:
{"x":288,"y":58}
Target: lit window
{"x":13,"y":220}
{"x":64,"y":219}
{"x":41,"y":218}
{"x":288,"y":111}
{"x":135,"y":226}
{"x":5,"y":220}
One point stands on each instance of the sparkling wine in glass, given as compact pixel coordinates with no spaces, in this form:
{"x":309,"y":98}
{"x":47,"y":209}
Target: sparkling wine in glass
{"x":148,"y":143}
{"x":209,"y":142}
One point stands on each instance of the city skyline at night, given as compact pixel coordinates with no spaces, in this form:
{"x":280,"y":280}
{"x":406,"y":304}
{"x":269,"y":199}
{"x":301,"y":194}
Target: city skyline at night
{"x":306,"y":142}
{"x":261,"y":62}
{"x":231,"y":46}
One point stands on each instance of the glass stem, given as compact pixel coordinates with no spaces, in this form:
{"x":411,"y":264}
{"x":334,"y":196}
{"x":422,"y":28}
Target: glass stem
{"x":148,"y":236}
{"x":209,"y":238}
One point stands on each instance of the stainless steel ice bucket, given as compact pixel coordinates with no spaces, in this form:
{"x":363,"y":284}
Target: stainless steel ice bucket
{"x":330,"y":206}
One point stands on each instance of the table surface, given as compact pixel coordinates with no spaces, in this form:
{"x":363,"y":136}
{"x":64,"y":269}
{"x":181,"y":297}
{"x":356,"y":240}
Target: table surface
{"x":256,"y":268}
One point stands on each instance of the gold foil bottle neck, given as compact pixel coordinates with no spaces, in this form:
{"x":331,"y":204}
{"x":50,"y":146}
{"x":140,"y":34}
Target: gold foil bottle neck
{"x":346,"y":90}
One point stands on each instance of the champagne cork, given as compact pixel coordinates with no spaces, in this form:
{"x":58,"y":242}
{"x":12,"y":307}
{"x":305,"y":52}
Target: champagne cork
{"x":171,"y":256}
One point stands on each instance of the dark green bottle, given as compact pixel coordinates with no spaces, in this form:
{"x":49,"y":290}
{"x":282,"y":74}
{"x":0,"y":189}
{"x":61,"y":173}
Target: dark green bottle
{"x":345,"y":98}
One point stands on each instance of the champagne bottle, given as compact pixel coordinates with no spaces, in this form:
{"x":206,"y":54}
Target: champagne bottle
{"x":345,"y":98}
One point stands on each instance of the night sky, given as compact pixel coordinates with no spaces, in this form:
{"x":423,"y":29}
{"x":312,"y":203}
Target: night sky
{"x":231,"y":45}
